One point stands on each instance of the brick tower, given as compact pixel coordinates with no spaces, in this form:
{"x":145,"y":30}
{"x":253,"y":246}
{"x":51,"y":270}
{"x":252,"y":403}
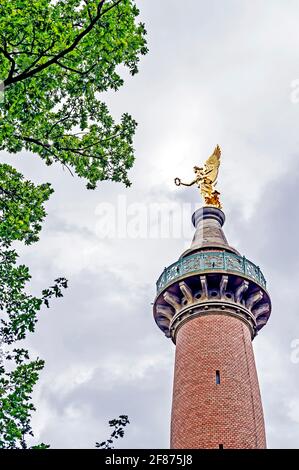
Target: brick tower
{"x":212,"y":302}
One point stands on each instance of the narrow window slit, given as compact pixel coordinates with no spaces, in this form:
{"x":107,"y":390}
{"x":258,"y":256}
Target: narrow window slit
{"x":217,"y":377}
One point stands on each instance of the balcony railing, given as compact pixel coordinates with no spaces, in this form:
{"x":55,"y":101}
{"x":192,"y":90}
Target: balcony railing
{"x":208,"y":261}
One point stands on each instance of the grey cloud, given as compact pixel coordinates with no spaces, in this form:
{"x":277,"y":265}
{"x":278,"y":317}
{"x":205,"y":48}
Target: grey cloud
{"x":217,"y":72}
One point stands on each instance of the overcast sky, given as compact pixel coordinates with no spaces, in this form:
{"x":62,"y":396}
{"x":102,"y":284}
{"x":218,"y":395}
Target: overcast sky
{"x":218,"y":72}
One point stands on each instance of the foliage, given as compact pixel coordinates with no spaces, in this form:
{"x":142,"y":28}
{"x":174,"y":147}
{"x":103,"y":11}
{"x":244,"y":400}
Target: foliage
{"x":19,"y":309}
{"x":21,"y":214}
{"x":21,"y":206}
{"x":55,"y":60}
{"x":118,"y":432}
{"x":16,"y":387}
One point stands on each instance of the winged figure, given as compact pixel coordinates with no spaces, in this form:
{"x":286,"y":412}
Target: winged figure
{"x":206,"y":179}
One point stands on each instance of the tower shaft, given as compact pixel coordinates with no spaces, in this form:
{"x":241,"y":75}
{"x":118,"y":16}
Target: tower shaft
{"x":216,"y":397}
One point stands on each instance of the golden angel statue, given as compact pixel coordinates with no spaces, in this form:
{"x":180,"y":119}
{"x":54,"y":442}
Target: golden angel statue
{"x":205,"y":178}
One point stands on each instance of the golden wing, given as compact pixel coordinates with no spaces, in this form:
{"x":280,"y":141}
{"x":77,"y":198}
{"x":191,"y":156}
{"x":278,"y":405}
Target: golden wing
{"x":212,"y":165}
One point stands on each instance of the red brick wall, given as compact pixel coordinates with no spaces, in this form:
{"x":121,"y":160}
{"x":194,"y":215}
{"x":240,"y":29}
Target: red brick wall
{"x":204,"y":414}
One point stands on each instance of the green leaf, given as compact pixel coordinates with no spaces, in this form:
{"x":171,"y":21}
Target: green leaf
{"x":52,"y":103}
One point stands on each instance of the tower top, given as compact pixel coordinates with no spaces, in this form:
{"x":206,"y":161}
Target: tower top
{"x":211,"y":277}
{"x":208,"y":222}
{"x":206,"y":179}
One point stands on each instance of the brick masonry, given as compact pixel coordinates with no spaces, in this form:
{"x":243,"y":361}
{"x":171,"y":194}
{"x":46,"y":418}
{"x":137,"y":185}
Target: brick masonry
{"x":206,"y":414}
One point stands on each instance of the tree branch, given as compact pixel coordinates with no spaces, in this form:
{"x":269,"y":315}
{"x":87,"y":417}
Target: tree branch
{"x":18,"y":43}
{"x":11,"y":60}
{"x":111,"y":6}
{"x":88,"y":9}
{"x":6,"y":192}
{"x":59,"y":121}
{"x":27,"y":74}
{"x":70,"y":68}
{"x":40,"y":56}
{"x":86,"y":72}
{"x":70,"y":149}
{"x":46,"y":147}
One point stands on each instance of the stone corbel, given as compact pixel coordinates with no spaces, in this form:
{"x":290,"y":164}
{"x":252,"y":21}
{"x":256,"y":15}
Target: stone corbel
{"x":164,"y":311}
{"x":187,"y":292}
{"x":172,"y":300}
{"x":223,"y":286}
{"x":240,"y":291}
{"x":204,"y":286}
{"x":261,"y":310}
{"x":253,"y":299}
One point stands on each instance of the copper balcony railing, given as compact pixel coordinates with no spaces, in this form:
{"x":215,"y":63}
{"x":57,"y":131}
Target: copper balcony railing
{"x":209,"y":261}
